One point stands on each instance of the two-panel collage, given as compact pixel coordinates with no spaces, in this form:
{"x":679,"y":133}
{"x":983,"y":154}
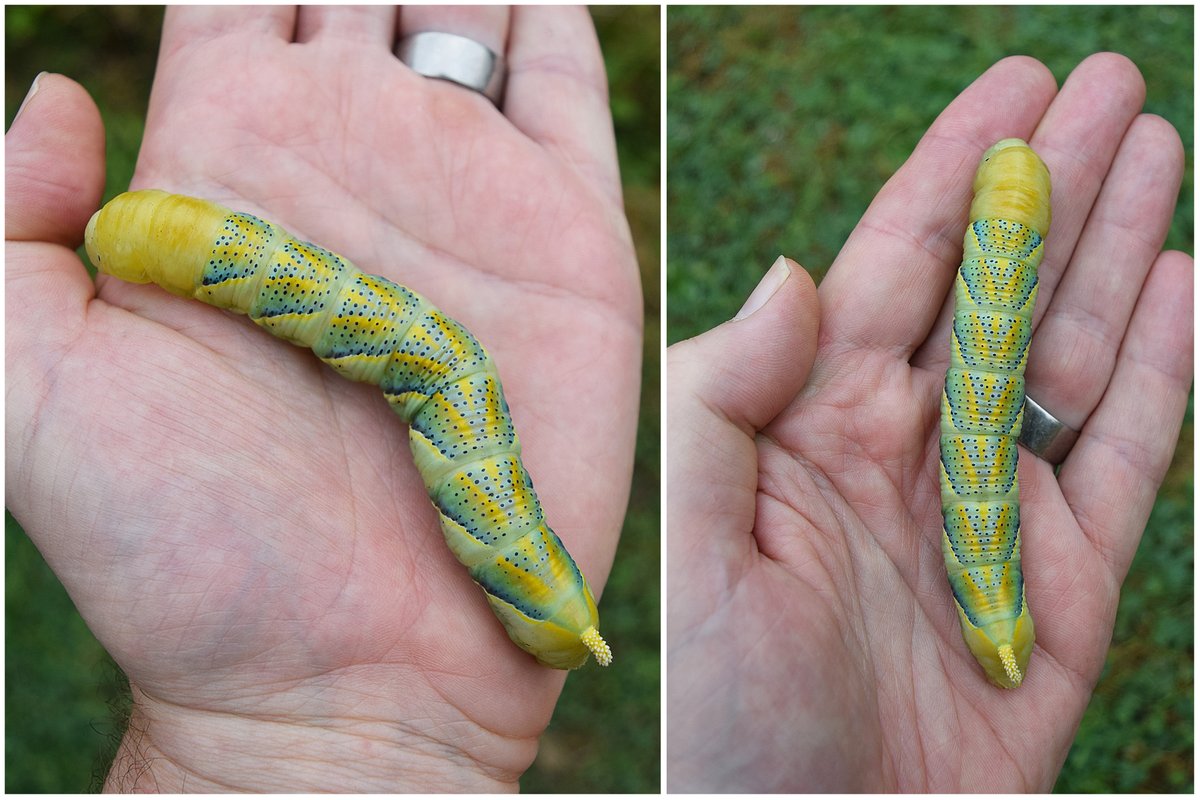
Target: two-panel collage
{"x":629,"y":399}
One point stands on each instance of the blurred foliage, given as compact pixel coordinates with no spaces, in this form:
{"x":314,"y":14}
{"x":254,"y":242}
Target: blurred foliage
{"x":783,"y":123}
{"x":67,"y":701}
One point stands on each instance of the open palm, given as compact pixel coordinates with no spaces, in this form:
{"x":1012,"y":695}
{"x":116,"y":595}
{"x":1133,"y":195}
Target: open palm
{"x":243,"y":529}
{"x":813,"y":639}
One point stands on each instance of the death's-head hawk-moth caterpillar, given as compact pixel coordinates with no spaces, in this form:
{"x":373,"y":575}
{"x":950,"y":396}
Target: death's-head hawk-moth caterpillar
{"x":435,"y":375}
{"x":982,"y":407}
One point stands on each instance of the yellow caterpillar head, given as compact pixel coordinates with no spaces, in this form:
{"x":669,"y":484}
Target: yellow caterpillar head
{"x":1012,"y":183}
{"x":150,"y":236}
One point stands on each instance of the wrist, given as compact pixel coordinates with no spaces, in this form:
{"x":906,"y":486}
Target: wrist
{"x":170,"y":748}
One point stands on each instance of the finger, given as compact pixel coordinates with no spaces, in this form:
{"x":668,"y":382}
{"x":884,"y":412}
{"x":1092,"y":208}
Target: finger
{"x":487,"y":25}
{"x":1111,"y":476}
{"x":187,"y":25}
{"x":890,"y":281}
{"x":1075,"y":347}
{"x":557,"y":91}
{"x":725,"y":385}
{"x":54,"y":163}
{"x":372,"y":26}
{"x":1078,"y":139}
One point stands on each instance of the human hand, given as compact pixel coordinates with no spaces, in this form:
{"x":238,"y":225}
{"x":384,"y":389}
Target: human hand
{"x":244,"y":530}
{"x":813,"y":642}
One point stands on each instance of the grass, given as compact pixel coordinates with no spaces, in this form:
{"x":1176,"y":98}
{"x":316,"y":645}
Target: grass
{"x":783,"y":123}
{"x":66,"y":699}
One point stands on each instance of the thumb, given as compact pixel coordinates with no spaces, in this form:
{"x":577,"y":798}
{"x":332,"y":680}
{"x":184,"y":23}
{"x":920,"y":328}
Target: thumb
{"x":723,"y":386}
{"x":752,"y":366}
{"x":54,"y":163}
{"x":54,"y":178}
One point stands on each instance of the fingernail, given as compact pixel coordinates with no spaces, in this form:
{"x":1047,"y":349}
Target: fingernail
{"x":770,"y":283}
{"x":28,"y":96}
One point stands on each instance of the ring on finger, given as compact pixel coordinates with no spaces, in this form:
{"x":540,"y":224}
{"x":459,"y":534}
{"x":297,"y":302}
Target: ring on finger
{"x":1044,"y":435}
{"x":454,"y":58}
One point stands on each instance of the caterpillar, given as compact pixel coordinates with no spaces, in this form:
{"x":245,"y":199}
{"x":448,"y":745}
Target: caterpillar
{"x":982,"y":406}
{"x":435,"y":375}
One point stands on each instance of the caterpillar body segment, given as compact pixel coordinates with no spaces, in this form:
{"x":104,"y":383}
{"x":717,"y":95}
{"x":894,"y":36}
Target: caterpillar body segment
{"x":994,"y":295}
{"x":437,"y":377}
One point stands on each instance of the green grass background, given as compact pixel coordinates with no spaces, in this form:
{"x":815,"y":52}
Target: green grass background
{"x":783,"y":123}
{"x":65,"y":699}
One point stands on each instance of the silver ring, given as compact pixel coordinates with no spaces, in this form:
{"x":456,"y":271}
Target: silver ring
{"x":449,"y":57}
{"x":1045,"y":436}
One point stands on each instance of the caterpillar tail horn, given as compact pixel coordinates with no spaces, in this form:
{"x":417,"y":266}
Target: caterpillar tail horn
{"x":594,"y":642}
{"x":1002,"y":648}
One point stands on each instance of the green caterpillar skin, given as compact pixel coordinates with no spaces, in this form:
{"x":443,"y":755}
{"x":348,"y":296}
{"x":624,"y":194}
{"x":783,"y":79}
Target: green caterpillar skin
{"x":436,"y":376}
{"x":982,"y":407}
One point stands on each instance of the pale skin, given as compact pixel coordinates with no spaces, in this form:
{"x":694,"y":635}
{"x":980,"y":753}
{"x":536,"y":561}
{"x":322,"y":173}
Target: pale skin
{"x":813,"y":642}
{"x":242,"y":528}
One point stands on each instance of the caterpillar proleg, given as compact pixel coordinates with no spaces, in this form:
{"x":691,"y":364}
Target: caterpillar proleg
{"x":982,"y":404}
{"x":436,"y":376}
